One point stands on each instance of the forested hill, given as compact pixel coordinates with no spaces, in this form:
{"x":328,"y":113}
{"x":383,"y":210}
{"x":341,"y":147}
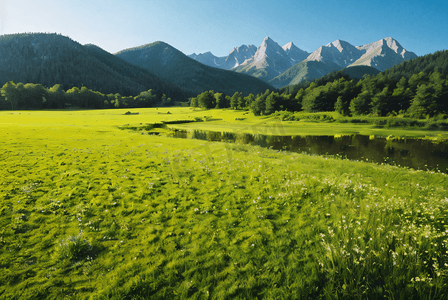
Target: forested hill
{"x":437,"y":61}
{"x":188,"y":74}
{"x":50,"y":59}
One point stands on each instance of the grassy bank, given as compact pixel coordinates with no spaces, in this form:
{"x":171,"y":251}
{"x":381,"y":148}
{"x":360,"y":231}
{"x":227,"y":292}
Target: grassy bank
{"x":91,"y":211}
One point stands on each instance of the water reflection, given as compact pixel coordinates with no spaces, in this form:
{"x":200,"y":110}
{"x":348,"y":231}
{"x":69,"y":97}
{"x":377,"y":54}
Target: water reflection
{"x":414,"y":153}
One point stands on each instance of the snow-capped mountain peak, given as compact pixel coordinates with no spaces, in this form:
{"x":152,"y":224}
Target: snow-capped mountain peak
{"x":288,"y":46}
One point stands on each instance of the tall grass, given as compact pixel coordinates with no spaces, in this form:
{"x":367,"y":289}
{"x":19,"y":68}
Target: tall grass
{"x":166,"y":218}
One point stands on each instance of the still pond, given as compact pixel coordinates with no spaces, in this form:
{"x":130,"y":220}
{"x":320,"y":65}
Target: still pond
{"x":419,"y":154}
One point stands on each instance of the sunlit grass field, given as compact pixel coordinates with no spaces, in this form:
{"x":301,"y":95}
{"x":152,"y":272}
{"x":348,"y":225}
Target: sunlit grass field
{"x":227,"y":120}
{"x":89,"y":211}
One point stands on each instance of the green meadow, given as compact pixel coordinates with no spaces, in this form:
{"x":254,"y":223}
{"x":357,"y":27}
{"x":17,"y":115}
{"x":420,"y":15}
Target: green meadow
{"x":222,"y":120}
{"x":92,"y":211}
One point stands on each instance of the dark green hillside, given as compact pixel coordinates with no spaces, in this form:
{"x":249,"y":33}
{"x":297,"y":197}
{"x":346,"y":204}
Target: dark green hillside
{"x":50,"y":59}
{"x":358,"y":72}
{"x":304,"y":71}
{"x":138,"y":75}
{"x":253,"y":71}
{"x":265,"y":70}
{"x":188,"y":74}
{"x":426,"y":64}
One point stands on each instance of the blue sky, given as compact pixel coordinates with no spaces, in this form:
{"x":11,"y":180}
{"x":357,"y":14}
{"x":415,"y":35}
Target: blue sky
{"x":218,"y":26}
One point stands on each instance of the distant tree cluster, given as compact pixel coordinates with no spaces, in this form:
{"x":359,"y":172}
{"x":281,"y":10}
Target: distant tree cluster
{"x":37,"y":96}
{"x":261,"y":104}
{"x":419,"y":96}
{"x":210,"y":99}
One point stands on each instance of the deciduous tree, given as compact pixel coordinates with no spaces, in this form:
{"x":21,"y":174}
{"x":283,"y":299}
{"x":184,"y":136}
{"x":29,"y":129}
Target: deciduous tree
{"x":9,"y":91}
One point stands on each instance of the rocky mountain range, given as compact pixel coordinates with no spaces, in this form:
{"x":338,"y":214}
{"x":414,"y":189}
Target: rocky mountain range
{"x":270,"y":60}
{"x":264,"y":62}
{"x":382,"y":54}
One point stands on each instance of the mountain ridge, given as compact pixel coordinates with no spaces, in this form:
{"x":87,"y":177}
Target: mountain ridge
{"x":235,"y":57}
{"x":51,"y":59}
{"x":171,"y":64}
{"x":270,"y":62}
{"x":381,"y":54}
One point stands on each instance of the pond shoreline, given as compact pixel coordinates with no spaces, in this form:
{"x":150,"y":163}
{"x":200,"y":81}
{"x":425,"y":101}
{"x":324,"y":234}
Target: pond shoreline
{"x":415,"y":153}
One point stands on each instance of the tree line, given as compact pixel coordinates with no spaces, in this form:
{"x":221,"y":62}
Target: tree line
{"x":36,"y":96}
{"x":420,"y":95}
{"x":261,"y":104}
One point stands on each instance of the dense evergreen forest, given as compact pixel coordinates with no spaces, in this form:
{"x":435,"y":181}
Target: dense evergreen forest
{"x":417,"y":88}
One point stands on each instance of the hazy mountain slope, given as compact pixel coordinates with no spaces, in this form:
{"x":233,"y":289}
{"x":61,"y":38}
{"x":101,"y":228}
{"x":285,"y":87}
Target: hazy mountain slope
{"x":51,"y":59}
{"x":208,"y":59}
{"x":171,"y":64}
{"x":358,"y":72}
{"x":236,"y":57}
{"x":304,"y":71}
